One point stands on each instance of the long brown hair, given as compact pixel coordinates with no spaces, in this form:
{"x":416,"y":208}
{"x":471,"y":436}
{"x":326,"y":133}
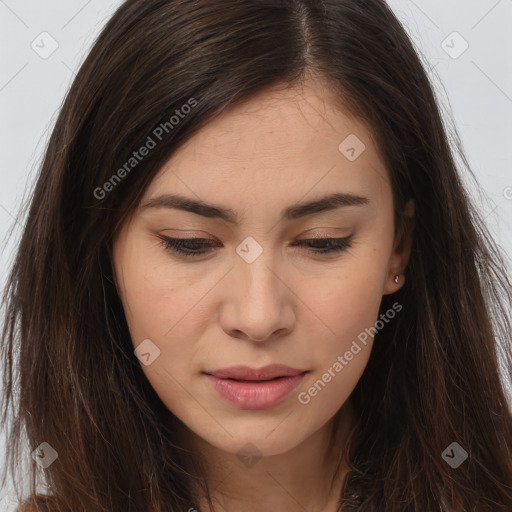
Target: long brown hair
{"x":71,"y":378}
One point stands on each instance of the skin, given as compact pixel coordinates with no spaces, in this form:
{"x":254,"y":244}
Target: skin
{"x":289,"y":306}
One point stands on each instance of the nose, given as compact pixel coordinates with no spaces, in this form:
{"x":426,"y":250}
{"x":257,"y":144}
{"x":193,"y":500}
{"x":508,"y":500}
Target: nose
{"x":258,"y":303}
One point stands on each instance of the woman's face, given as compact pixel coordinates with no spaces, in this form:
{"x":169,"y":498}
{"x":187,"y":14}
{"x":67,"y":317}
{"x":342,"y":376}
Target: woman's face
{"x":259,"y":295}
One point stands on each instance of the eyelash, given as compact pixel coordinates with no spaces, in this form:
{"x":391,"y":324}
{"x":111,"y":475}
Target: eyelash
{"x":337,"y":245}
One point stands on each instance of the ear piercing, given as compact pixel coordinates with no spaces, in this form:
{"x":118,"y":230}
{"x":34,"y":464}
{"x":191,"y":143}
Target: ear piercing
{"x":396,"y":278}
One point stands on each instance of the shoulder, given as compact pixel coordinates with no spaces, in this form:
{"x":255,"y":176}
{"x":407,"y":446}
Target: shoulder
{"x":39,"y":503}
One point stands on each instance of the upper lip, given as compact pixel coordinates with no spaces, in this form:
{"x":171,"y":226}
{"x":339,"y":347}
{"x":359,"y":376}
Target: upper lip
{"x":247,"y":373}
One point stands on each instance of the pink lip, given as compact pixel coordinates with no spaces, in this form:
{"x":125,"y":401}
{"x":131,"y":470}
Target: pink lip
{"x":261,"y":392}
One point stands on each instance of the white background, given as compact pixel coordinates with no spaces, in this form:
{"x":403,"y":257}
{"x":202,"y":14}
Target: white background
{"x":476,"y":88}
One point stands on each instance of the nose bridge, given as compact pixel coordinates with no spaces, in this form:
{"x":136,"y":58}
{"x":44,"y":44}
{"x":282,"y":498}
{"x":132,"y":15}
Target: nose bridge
{"x":255,"y":268}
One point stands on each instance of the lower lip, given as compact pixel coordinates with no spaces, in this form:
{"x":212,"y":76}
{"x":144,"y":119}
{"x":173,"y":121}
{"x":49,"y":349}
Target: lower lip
{"x":256,"y":394}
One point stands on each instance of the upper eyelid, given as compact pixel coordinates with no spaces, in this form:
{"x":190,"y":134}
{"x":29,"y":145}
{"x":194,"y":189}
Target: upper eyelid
{"x":206,"y":239}
{"x":319,"y":232}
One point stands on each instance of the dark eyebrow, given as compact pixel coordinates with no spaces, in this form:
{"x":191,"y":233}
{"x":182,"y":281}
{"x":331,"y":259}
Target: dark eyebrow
{"x":330,"y":202}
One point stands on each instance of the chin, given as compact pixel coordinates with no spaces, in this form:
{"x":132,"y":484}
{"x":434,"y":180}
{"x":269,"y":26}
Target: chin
{"x":260,"y":442}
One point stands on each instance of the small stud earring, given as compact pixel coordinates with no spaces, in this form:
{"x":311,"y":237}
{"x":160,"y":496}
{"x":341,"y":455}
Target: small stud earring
{"x":396,"y":278}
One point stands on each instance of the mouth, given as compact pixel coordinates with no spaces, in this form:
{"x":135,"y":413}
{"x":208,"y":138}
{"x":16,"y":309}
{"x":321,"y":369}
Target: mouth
{"x":251,"y":388}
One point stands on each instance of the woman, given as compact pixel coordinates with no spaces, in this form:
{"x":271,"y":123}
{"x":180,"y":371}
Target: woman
{"x":251,"y":279}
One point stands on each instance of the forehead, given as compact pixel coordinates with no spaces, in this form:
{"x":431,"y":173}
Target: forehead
{"x":281,"y":142}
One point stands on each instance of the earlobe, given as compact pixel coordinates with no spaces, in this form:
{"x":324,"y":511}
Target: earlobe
{"x":398,"y":281}
{"x":394,"y":284}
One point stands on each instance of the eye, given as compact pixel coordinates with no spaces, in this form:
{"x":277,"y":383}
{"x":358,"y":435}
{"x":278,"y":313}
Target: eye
{"x":200,"y":246}
{"x":327,"y":245}
{"x":187,"y":246}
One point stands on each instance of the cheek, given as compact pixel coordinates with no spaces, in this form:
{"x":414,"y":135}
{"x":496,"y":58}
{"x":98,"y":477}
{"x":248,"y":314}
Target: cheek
{"x":155,"y":295}
{"x":345,"y":307}
{"x":163,"y":305}
{"x":161,"y":310}
{"x":347,"y":302}
{"x":170,"y":317}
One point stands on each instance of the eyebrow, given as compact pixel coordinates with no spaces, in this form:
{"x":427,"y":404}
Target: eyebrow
{"x":296,"y":211}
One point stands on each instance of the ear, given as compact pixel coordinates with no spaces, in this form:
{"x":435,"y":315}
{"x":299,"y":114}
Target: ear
{"x":401,"y":251}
